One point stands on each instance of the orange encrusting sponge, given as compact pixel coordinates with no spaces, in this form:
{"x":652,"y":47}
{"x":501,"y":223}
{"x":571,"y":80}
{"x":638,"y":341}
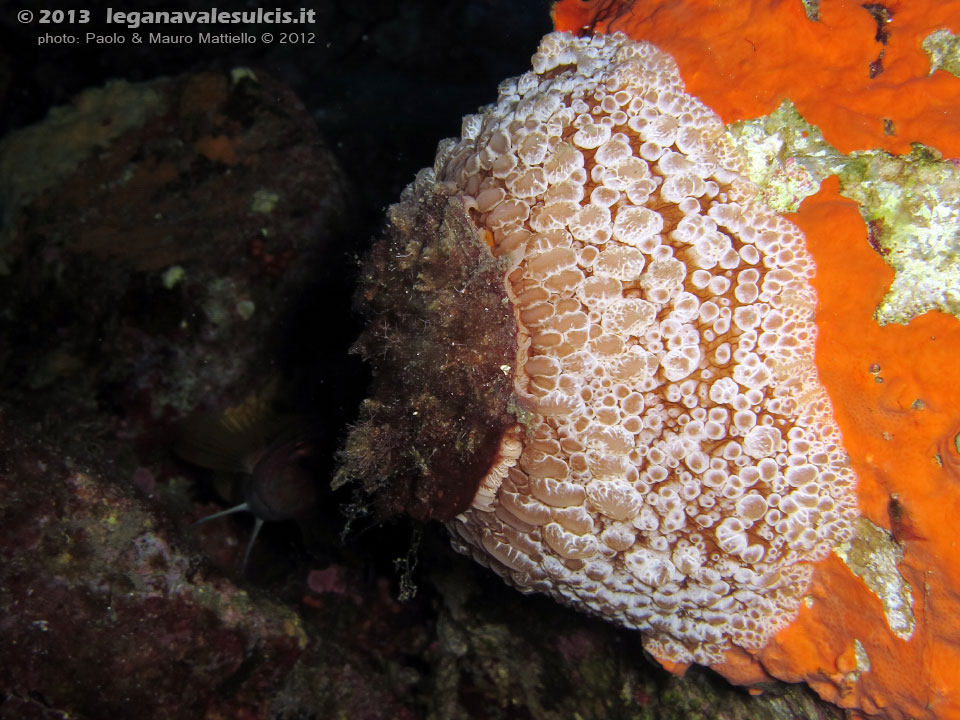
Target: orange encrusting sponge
{"x":900,"y":435}
{"x":743,"y":58}
{"x":895,"y":389}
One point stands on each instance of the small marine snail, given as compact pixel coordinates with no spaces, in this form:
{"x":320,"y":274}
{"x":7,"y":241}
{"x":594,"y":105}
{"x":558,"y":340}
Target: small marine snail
{"x":270,"y":450}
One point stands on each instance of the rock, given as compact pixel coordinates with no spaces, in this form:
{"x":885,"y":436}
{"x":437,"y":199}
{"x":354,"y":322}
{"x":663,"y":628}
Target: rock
{"x":148,"y":266}
{"x":107,"y":611}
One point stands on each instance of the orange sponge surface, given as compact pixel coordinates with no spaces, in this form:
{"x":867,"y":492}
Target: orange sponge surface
{"x":859,"y":74}
{"x":743,"y":57}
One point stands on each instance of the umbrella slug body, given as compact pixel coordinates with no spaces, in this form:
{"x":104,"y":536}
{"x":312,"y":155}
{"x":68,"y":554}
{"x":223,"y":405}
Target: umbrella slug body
{"x":593,"y":350}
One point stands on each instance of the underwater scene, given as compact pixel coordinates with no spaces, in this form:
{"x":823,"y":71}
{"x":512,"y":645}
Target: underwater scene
{"x":480,"y":360}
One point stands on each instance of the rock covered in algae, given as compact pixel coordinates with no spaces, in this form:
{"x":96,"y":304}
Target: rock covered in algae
{"x":442,"y":340}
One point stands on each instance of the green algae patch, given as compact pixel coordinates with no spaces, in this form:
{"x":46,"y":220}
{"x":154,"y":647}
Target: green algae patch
{"x":911,"y":203}
{"x":874,"y":556}
{"x":811,"y":8}
{"x":943,"y":49}
{"x":787,"y":157}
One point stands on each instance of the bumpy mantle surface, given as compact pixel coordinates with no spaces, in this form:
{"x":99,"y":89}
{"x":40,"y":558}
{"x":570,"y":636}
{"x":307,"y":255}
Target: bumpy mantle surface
{"x":672,"y":463}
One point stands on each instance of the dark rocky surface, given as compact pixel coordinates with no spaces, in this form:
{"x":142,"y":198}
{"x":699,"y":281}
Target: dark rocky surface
{"x":182,"y":237}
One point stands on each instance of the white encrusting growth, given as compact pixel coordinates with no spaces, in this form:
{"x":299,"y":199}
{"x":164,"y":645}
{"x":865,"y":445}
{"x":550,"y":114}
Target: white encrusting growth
{"x":679,"y":465}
